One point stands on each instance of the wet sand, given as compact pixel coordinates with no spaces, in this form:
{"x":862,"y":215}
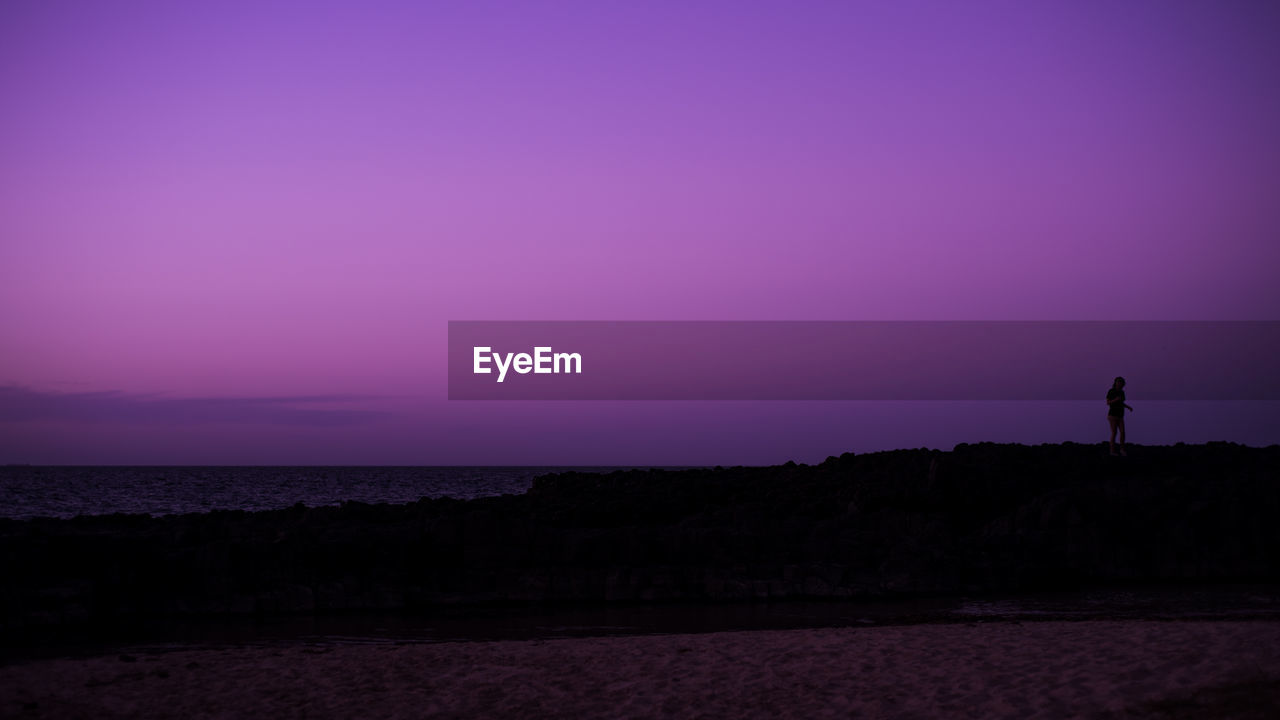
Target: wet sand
{"x":1128,"y":668}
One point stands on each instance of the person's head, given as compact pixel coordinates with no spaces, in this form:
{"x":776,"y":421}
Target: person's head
{"x":1118,"y":382}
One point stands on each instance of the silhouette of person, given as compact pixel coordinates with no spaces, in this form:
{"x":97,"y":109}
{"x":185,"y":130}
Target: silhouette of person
{"x":1115,"y":413}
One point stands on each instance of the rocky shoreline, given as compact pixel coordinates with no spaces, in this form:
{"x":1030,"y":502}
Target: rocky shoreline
{"x":979,"y":518}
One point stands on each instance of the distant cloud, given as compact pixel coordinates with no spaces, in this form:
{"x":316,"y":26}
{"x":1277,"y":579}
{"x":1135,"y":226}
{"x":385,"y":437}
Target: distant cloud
{"x":18,"y":404}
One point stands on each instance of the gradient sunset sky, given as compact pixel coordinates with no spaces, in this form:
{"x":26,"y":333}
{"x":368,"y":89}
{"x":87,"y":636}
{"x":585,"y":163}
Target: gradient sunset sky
{"x":234,"y":232}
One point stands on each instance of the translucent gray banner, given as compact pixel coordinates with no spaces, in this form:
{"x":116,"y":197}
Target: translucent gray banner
{"x":862,"y":360}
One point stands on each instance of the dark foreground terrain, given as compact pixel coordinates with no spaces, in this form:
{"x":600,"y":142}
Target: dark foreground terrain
{"x":979,"y":519}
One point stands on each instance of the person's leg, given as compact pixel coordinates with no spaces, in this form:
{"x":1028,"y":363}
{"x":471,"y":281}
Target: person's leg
{"x":1120,"y":423}
{"x":1111,"y":419}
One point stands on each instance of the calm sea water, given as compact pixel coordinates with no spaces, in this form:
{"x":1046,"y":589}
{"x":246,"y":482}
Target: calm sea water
{"x":35,"y":491}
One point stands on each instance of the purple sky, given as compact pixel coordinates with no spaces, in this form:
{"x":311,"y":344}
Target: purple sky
{"x":234,"y":232}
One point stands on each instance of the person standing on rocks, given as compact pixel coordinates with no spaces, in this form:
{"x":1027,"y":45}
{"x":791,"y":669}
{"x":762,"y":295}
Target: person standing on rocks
{"x":1115,"y":413}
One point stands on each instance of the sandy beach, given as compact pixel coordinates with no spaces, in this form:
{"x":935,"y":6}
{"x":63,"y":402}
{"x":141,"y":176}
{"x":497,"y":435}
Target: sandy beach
{"x":979,"y":670}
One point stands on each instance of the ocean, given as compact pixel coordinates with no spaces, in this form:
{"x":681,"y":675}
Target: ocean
{"x":28,"y":491}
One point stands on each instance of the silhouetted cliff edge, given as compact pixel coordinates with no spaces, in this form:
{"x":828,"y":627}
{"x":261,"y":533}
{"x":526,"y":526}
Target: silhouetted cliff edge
{"x":979,"y":518}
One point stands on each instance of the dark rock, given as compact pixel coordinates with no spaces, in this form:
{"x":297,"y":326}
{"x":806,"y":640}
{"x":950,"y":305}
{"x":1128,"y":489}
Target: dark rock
{"x":980,"y":518}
